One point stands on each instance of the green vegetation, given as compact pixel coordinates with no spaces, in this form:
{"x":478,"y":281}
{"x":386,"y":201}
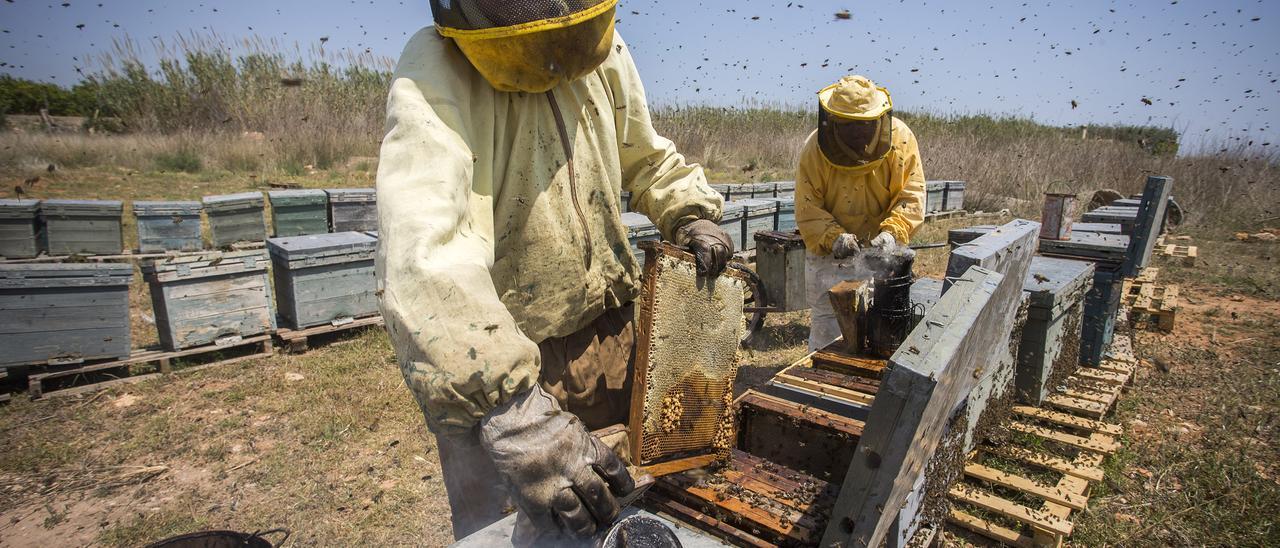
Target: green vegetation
{"x":20,"y":96}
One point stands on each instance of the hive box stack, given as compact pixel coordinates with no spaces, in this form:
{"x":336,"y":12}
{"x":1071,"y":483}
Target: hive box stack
{"x":1126,"y":217}
{"x":353,"y":209}
{"x":206,"y":298}
{"x":639,"y":229}
{"x":1050,"y":346}
{"x":168,"y":226}
{"x":235,"y":218}
{"x":298,"y":212}
{"x":780,"y":265}
{"x":19,"y":229}
{"x":323,"y":278}
{"x":731,"y":222}
{"x":953,"y":196}
{"x":758,"y":217}
{"x":51,"y":313}
{"x":1107,"y":252}
{"x":70,"y":227}
{"x":934,"y":195}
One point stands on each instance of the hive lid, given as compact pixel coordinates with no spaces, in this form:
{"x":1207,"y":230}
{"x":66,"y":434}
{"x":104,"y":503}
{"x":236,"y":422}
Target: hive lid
{"x":167,"y":208}
{"x":232,"y":261}
{"x":784,"y":240}
{"x":956,"y":185}
{"x":18,"y":209}
{"x":935,"y":185}
{"x":1105,"y":228}
{"x":1052,"y":281}
{"x":286,"y":198}
{"x":758,"y":205}
{"x":82,"y":206}
{"x":349,"y":245}
{"x":38,"y":275}
{"x":232,"y":201}
{"x":351,"y":194}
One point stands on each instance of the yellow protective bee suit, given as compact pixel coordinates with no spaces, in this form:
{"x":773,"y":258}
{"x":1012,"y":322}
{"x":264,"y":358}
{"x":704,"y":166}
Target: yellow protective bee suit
{"x":486,"y":248}
{"x":886,"y":195}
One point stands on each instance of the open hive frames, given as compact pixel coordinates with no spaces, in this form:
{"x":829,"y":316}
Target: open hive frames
{"x":687,"y":328}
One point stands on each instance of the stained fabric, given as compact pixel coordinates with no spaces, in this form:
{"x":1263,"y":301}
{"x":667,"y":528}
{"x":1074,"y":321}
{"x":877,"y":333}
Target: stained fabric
{"x":884,"y":195}
{"x":484,"y":240}
{"x":821,"y":273}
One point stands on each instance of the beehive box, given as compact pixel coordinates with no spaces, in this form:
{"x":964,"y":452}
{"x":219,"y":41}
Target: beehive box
{"x":206,"y":298}
{"x":168,"y":226}
{"x":353,"y":209}
{"x":639,"y":229}
{"x":624,"y":202}
{"x":785,"y":217}
{"x":960,"y":236}
{"x":19,"y":229}
{"x":1089,"y":246}
{"x":763,"y":190}
{"x":1126,"y":217}
{"x":785,"y":189}
{"x":1049,"y":350}
{"x":71,"y":227}
{"x":52,"y":313}
{"x":780,"y":265}
{"x":731,"y":222}
{"x":758,"y":217}
{"x":953,"y":196}
{"x":1101,"y":304}
{"x":1103,"y":228}
{"x":298,"y":212}
{"x":235,"y":218}
{"x":323,"y":278}
{"x":934,"y":195}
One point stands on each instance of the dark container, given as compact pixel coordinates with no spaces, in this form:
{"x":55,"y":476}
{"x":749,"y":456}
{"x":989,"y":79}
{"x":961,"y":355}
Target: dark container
{"x":889,"y":318}
{"x":780,"y":265}
{"x":1056,"y":216}
{"x":353,"y":209}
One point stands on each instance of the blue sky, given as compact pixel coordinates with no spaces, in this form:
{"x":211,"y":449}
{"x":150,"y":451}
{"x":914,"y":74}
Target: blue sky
{"x":1209,"y":68}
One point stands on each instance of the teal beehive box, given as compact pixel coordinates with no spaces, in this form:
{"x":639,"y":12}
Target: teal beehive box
{"x":19,"y":234}
{"x":202,"y":299}
{"x":323,"y":278}
{"x":168,"y":226}
{"x":235,"y":218}
{"x":298,"y":212}
{"x":64,"y":313}
{"x":70,"y":227}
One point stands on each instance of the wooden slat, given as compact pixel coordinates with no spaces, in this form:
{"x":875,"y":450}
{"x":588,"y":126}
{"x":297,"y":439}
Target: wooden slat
{"x":1117,"y":366}
{"x":1095,"y":442}
{"x":678,"y":465}
{"x":850,"y":395}
{"x":1025,"y":485}
{"x":1048,"y":462}
{"x":716,"y":526}
{"x":1068,"y":420}
{"x":1091,"y":409}
{"x":1103,"y":375}
{"x":1084,"y":393}
{"x":1033,"y":517}
{"x":989,"y":529}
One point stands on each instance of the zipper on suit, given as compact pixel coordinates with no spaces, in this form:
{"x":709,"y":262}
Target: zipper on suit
{"x":573,"y":179}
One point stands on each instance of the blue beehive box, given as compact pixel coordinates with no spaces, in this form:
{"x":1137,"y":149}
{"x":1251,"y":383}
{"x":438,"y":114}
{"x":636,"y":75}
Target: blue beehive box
{"x":201,"y":299}
{"x":639,"y":229}
{"x":19,"y":233}
{"x":758,"y":217}
{"x":352,"y":209}
{"x":785,"y":189}
{"x":1051,"y":338}
{"x":784,"y":214}
{"x":54,"y":313}
{"x":323,"y":278}
{"x":168,"y":226}
{"x":91,"y":227}
{"x":235,"y":218}
{"x":298,"y":212}
{"x":953,"y":199}
{"x":933,"y":192}
{"x":731,"y":222}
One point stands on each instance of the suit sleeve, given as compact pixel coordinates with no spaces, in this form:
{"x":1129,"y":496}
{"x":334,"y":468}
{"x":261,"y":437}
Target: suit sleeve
{"x":907,"y":212}
{"x":459,"y":348}
{"x":818,"y":226}
{"x":664,"y":187}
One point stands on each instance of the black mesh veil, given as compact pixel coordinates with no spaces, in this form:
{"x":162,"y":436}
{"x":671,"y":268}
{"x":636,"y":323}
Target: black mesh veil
{"x":483,"y":14}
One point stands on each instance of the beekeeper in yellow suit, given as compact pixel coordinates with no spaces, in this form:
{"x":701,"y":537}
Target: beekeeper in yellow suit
{"x":505,"y":274}
{"x":860,"y":183}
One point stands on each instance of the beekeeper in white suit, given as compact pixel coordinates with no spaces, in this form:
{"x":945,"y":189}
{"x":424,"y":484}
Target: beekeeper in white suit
{"x":505,"y":273}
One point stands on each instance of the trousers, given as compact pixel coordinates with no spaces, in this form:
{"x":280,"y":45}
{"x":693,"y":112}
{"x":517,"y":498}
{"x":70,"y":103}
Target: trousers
{"x":588,"y":372}
{"x":821,"y":272}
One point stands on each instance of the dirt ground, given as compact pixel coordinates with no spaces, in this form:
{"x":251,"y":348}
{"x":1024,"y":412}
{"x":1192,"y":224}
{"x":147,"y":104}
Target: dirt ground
{"x":330,"y":445}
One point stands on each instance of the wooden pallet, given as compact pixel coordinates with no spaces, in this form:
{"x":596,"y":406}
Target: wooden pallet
{"x":941,"y":215}
{"x":1186,"y":255}
{"x":1034,"y":512}
{"x":161,"y":360}
{"x":1153,"y":304}
{"x":296,"y":340}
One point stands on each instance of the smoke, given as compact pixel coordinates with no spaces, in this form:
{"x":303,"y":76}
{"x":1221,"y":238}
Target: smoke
{"x":891,"y":262}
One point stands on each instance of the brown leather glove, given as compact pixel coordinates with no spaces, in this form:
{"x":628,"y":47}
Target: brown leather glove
{"x":561,"y":477}
{"x":710,"y":245}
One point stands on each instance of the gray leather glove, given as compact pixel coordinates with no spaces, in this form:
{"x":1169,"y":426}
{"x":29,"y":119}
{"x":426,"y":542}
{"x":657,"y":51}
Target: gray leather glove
{"x":710,"y":245}
{"x":560,"y":476}
{"x":884,"y":240}
{"x":845,"y":246}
